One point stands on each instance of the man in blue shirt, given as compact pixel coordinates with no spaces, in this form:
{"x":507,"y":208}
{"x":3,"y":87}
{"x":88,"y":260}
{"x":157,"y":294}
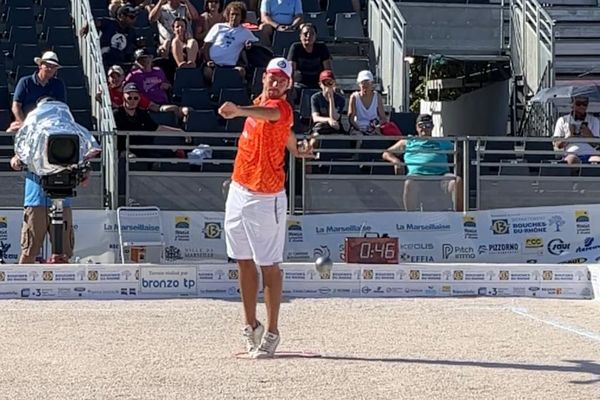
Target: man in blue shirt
{"x":424,"y":156}
{"x":43,"y":83}
{"x":36,"y":221}
{"x":279,"y":15}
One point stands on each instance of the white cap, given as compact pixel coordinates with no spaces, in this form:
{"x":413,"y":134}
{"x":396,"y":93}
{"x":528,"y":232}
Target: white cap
{"x":280,"y":65}
{"x":49,"y":57}
{"x":365,"y":75}
{"x":117,"y":69}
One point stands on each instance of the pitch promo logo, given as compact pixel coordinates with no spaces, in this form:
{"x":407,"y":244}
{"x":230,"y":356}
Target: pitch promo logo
{"x":172,"y":253}
{"x":212,"y":230}
{"x":534,"y":245}
{"x":558,"y":247}
{"x":500,"y":227}
{"x":294,"y":231}
{"x":410,"y":258}
{"x":589,"y":244}
{"x":182,"y":228}
{"x":582,"y":222}
{"x":423,"y":227}
{"x":470,"y":227}
{"x":3,"y":228}
{"x":47,"y":275}
{"x":450,"y":252}
{"x":344,"y":229}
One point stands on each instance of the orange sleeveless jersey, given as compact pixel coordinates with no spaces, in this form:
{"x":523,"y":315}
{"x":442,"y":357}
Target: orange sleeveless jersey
{"x":261,"y":150}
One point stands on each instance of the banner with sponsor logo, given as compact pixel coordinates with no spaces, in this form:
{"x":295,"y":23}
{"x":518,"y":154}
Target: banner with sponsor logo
{"x":566,"y":234}
{"x":216,"y":280}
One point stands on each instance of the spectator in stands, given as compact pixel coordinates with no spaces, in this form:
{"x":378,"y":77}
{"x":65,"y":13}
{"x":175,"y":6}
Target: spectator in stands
{"x":212,"y":15}
{"x":151,"y":81}
{"x":42,"y":83}
{"x":165,"y":11}
{"x":418,"y":155}
{"x":117,"y":36}
{"x":577,"y":124}
{"x":130,"y":117}
{"x":326,"y":107}
{"x":279,"y":15}
{"x":309,"y":58}
{"x":365,"y":108}
{"x":224,"y":42}
{"x":184,"y":48}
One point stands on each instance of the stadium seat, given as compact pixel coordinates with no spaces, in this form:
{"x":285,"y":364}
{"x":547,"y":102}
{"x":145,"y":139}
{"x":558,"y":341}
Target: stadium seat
{"x":235,"y":125}
{"x":226,"y":78}
{"x":198,"y":99}
{"x":305,"y":109}
{"x":23,"y":35}
{"x":188,"y":78}
{"x":5,"y":99}
{"x":84,"y":118}
{"x":592,"y":169}
{"x":5,"y":119}
{"x":338,"y":6}
{"x":257,"y":85}
{"x":164,"y":118}
{"x":23,"y":54}
{"x":282,"y":41}
{"x":18,"y":3}
{"x":349,"y":67}
{"x":538,"y":146}
{"x":251,"y":17}
{"x":98,"y":4}
{"x":319,"y":20}
{"x":72,"y":75}
{"x":513,"y":168}
{"x":59,"y":3}
{"x":406,"y":121}
{"x":555,"y":168}
{"x":68,"y":55}
{"x":24,"y":70}
{"x":60,"y":35}
{"x":348,"y":27}
{"x":498,"y":146}
{"x":19,"y":16}
{"x":100,"y":12}
{"x":56,"y":17}
{"x":309,"y":6}
{"x":202,"y":121}
{"x":78,"y":97}
{"x":237,"y":96}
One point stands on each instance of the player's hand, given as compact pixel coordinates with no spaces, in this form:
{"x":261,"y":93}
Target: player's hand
{"x":229,"y":110}
{"x":16,"y":164}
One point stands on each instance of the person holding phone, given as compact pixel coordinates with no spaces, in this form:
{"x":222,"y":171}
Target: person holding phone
{"x":578,"y":123}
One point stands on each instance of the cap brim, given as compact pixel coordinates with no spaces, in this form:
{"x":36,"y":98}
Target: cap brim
{"x":39,"y":61}
{"x":278,"y":72}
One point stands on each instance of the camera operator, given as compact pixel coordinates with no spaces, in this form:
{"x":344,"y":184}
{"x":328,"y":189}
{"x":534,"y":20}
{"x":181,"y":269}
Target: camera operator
{"x":579,"y":123}
{"x":36,"y":220}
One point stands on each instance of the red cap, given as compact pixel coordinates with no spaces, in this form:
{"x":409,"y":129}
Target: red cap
{"x":325,"y":75}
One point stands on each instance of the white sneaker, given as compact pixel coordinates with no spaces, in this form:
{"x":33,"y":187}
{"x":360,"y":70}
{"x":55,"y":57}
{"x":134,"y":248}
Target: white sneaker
{"x":267,"y":347}
{"x":252,"y":337}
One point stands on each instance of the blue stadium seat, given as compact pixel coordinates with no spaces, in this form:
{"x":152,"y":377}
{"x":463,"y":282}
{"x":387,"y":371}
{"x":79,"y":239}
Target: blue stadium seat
{"x":23,"y":54}
{"x":23,"y":35}
{"x":305,"y":109}
{"x":61,"y":35}
{"x":282,"y":41}
{"x":319,"y":20}
{"x":348,"y":27}
{"x":237,"y":96}
{"x":164,"y":118}
{"x":68,"y":55}
{"x":98,"y":4}
{"x":309,"y":6}
{"x":406,"y":121}
{"x":198,"y":99}
{"x":202,"y":121}
{"x":78,"y":97}
{"x":226,"y":78}
{"x":349,"y":67}
{"x":338,"y":6}
{"x":72,"y":75}
{"x":84,"y":118}
{"x":5,"y":99}
{"x":24,"y":70}
{"x":5,"y":119}
{"x":235,"y":125}
{"x":20,"y":16}
{"x":257,"y":85}
{"x":56,"y":17}
{"x":188,"y":78}
{"x":18,"y":3}
{"x":59,"y":4}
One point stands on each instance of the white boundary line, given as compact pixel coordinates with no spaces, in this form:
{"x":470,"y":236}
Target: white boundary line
{"x":556,"y":324}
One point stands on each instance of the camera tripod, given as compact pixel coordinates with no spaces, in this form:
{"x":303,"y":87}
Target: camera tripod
{"x":57,"y":226}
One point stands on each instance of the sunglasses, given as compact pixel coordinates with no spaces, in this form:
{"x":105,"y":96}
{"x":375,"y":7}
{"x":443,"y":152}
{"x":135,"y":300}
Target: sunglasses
{"x":581,"y":103}
{"x":425,"y":124}
{"x":132,"y":97}
{"x":328,"y":83}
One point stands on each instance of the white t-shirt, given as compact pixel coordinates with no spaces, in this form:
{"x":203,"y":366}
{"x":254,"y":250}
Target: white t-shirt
{"x":227,"y":43}
{"x":165,"y":21}
{"x":562,"y":130}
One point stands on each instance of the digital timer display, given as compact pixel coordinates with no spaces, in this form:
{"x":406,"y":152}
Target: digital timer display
{"x":369,"y":250}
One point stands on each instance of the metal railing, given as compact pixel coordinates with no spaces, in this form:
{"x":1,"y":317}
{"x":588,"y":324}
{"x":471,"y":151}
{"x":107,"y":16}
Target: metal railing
{"x":387,"y":32}
{"x":533,"y":42}
{"x":93,"y":68}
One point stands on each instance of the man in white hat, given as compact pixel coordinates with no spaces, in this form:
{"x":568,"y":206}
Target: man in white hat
{"x":42,"y":83}
{"x":255,"y":211}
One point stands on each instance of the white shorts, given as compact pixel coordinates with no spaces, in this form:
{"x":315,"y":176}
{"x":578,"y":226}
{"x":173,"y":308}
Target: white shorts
{"x":255,"y":225}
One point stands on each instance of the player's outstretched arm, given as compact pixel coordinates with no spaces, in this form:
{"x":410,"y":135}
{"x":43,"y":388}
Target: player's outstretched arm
{"x":230,"y":110}
{"x":302,"y":149}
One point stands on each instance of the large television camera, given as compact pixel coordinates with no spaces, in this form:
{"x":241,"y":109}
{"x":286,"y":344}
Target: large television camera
{"x":57,"y":150}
